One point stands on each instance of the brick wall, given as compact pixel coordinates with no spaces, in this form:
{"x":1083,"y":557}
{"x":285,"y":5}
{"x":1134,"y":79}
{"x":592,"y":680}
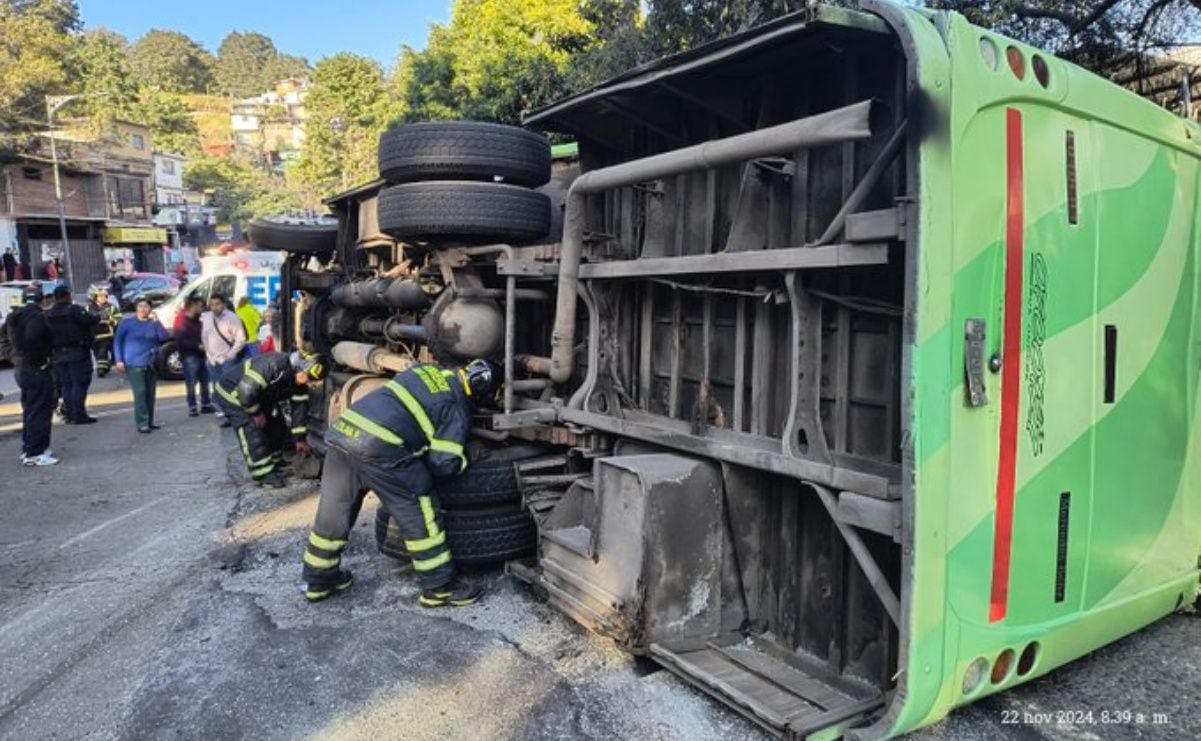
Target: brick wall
{"x":28,"y":190}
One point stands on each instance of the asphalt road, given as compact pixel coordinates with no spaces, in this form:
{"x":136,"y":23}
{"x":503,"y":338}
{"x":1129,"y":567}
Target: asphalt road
{"x":148,"y":592}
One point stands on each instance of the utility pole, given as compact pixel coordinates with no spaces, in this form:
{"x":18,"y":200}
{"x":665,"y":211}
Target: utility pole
{"x":53,"y":103}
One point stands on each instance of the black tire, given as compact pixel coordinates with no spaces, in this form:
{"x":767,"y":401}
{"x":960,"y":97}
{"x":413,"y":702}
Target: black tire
{"x":303,"y":239}
{"x":477,"y":537}
{"x":464,"y":150}
{"x":170,"y":366}
{"x":489,"y":480}
{"x":467,"y":212}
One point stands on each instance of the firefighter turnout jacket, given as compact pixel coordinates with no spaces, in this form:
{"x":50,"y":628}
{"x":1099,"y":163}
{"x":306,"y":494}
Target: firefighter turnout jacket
{"x":259,"y":384}
{"x":424,"y":410}
{"x":108,"y":317}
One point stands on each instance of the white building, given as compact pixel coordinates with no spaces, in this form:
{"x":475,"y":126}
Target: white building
{"x":168,"y":178}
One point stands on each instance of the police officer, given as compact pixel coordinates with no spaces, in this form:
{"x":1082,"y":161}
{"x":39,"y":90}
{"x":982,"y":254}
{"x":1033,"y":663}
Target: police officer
{"x":71,"y":329}
{"x":250,"y":393}
{"x":30,"y":337}
{"x":395,"y":441}
{"x":107,"y":317}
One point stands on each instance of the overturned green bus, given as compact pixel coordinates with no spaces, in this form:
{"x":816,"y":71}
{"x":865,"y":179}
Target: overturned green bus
{"x":857,"y":375}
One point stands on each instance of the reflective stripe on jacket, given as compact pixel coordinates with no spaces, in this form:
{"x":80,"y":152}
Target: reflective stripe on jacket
{"x":421,"y":411}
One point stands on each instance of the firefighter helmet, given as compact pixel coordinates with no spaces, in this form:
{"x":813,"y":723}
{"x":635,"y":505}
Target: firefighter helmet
{"x":310,"y":364}
{"x":483,"y":378}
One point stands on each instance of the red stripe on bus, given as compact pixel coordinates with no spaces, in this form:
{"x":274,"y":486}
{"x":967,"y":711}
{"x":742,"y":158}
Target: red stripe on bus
{"x":1011,"y":368}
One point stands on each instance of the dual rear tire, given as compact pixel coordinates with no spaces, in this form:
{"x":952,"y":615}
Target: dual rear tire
{"x":485,"y":521}
{"x":464,"y":182}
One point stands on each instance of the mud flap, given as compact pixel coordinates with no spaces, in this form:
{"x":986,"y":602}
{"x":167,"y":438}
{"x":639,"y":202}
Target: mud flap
{"x":636,"y":553}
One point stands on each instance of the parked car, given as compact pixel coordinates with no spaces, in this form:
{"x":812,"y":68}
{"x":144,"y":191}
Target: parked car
{"x":154,"y":286}
{"x":10,"y":293}
{"x":10,"y":298}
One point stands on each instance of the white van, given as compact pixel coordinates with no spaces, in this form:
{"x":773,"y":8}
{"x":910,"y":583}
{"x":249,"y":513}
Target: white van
{"x":250,"y":273}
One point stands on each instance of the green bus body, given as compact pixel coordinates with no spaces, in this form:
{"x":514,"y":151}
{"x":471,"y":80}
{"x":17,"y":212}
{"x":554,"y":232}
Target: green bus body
{"x":846,"y":490}
{"x":1065,"y":512}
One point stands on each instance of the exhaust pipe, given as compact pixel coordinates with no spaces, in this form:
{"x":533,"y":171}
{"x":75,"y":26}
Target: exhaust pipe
{"x":369,"y":358}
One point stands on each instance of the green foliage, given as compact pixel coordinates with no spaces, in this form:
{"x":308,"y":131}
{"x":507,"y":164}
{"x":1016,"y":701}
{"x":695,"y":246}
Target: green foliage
{"x":1106,"y":36}
{"x":241,"y":61}
{"x":62,"y":15}
{"x":239,"y":190}
{"x":33,"y":57}
{"x":349,"y":104}
{"x":284,"y":66}
{"x":495,"y":59}
{"x":675,"y":25}
{"x":99,"y":61}
{"x":172,"y":125}
{"x":171,"y":61}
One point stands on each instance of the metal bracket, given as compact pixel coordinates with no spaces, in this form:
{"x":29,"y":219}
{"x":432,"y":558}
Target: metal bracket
{"x":524,"y":418}
{"x":525,"y":267}
{"x":973,"y":362}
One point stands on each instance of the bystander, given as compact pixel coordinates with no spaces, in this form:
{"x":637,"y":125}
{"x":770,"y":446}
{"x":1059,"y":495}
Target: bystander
{"x":190,"y":346}
{"x":224,"y":339}
{"x":136,"y":350}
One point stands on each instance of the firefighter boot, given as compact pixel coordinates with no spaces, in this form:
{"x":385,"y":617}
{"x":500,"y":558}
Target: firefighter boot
{"x":452,"y":594}
{"x":323,"y":574}
{"x":327,"y":585}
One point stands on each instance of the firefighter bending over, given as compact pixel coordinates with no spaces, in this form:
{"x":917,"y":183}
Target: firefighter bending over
{"x":395,"y":441}
{"x":108,"y":316}
{"x":250,"y":392}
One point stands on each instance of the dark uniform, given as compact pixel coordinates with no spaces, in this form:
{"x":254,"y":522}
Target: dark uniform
{"x":107,"y":317}
{"x":394,"y":441}
{"x":257,"y":386}
{"x":71,"y":330}
{"x":30,"y":337}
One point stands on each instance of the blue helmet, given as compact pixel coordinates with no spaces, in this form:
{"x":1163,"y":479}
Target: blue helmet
{"x":483,"y":378}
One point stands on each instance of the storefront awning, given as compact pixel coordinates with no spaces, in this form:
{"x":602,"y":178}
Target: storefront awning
{"x":134,"y":235}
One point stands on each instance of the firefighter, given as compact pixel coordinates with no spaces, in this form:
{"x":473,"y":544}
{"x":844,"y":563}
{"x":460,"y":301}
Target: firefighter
{"x":250,"y":393}
{"x":395,"y":441}
{"x":107,"y":317}
{"x":30,"y":337}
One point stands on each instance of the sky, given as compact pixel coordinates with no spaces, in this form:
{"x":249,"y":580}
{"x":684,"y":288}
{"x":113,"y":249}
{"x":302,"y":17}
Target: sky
{"x":307,"y":28}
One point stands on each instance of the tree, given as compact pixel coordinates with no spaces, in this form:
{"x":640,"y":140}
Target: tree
{"x":238,"y":190}
{"x":171,"y":61}
{"x":1118,"y":39}
{"x":675,"y":25}
{"x":284,"y":66}
{"x":99,"y":62}
{"x":241,"y":60}
{"x":63,"y":15}
{"x":349,"y":106}
{"x":33,"y":57}
{"x":619,"y":43}
{"x":171,"y":122}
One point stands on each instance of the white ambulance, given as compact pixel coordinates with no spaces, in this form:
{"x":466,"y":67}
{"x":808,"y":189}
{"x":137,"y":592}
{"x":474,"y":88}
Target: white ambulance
{"x":251,"y":273}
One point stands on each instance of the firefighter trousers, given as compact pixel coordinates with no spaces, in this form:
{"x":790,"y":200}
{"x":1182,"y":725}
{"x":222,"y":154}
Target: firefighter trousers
{"x":261,"y":449}
{"x":405,"y":489}
{"x":102,"y":350}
